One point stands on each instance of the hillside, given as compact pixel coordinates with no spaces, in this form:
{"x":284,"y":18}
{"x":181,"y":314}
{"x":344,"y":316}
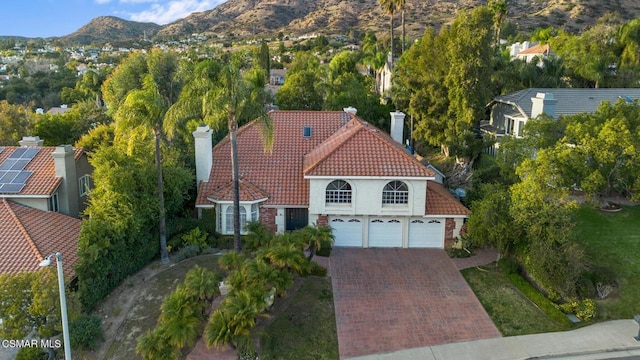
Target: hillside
{"x":111,"y":29}
{"x":266,"y":18}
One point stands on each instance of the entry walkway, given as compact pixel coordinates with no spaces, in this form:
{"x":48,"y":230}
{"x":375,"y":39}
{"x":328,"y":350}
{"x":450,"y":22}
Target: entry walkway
{"x":393,"y":299}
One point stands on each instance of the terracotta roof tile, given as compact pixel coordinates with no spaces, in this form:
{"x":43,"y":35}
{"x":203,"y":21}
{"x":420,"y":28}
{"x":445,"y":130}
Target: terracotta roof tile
{"x":278,"y":172}
{"x":248,"y":192}
{"x":537,"y":49}
{"x":363,"y":150}
{"x":43,"y":181}
{"x":441,"y":202}
{"x":27,"y":235}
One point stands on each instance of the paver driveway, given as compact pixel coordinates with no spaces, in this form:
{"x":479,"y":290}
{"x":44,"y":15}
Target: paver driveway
{"x":393,"y":299}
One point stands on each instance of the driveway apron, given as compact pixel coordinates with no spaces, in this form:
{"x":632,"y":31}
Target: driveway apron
{"x":393,"y":299}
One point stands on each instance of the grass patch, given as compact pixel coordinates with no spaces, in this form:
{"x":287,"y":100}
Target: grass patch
{"x":511,"y":311}
{"x":612,"y":241}
{"x":146,"y":308}
{"x":306,"y":326}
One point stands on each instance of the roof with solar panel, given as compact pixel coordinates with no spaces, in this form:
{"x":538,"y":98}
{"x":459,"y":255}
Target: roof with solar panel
{"x":28,"y":171}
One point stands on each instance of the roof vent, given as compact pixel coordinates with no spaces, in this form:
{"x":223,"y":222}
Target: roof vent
{"x":306,"y":131}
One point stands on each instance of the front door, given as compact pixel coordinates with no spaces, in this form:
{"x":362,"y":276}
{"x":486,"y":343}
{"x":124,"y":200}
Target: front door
{"x":296,"y":219}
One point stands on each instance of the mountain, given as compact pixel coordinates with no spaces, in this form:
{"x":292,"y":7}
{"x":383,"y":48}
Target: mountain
{"x":249,"y":17}
{"x":296,"y":17}
{"x":111,"y":29}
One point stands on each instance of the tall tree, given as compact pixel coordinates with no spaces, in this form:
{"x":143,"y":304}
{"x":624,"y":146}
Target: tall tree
{"x":390,"y":7}
{"x":228,"y":95}
{"x":144,"y":110}
{"x":401,"y":4}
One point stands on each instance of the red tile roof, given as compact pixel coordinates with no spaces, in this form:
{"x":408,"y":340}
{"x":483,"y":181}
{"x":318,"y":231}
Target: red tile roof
{"x":537,"y":49}
{"x":441,"y":202}
{"x":340,"y":145}
{"x":360,"y":149}
{"x":43,"y":181}
{"x":28,"y":235}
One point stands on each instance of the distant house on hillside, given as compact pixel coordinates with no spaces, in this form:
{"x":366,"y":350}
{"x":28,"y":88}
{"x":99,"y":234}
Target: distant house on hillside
{"x":383,"y":78}
{"x":528,"y":52}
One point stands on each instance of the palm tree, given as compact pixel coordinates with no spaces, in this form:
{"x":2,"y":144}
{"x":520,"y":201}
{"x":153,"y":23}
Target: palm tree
{"x":144,"y":110}
{"x":226,"y":94}
{"x":401,"y":4}
{"x":201,"y":283}
{"x":153,"y":345}
{"x":317,"y":237}
{"x":499,"y":9}
{"x":390,"y":7}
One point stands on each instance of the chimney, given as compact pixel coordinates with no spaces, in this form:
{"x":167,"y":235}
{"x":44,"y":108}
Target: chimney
{"x":68,"y":195}
{"x":350,"y":110}
{"x":397,"y":126}
{"x":31,"y":141}
{"x":204,"y":154}
{"x":543,"y":103}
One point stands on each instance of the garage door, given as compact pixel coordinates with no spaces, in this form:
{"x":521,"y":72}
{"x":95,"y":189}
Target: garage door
{"x":347,"y":231}
{"x":385,"y":233}
{"x":425,"y":233}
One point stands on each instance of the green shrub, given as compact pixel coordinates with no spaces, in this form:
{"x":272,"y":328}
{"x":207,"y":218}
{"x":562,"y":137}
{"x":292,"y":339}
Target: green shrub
{"x":324,"y":251}
{"x":222,"y":242}
{"x":586,"y":310}
{"x":317,"y":270}
{"x":195,"y":237}
{"x":537,"y":298}
{"x":85,"y":332}
{"x":509,"y":265}
{"x":32,"y":353}
{"x":187,"y":252}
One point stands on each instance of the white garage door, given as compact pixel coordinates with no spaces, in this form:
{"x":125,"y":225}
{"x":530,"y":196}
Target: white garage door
{"x":425,"y":233}
{"x":347,"y":231}
{"x":385,"y":233}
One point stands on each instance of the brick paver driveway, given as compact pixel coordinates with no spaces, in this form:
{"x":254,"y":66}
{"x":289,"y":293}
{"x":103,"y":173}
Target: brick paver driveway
{"x":393,"y":299}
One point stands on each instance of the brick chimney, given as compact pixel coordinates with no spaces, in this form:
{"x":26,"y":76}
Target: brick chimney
{"x":65,"y":164}
{"x":204,"y":154}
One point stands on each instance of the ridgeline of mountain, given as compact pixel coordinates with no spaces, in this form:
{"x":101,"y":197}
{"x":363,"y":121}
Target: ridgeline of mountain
{"x":296,"y":17}
{"x":111,"y":29}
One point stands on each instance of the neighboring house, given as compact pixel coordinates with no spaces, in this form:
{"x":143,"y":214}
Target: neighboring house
{"x":46,"y":178}
{"x":28,"y":235}
{"x":527,"y":52}
{"x":383,"y":78}
{"x":56,"y":110}
{"x":509,"y":113}
{"x":329,"y":168}
{"x":276,"y":76}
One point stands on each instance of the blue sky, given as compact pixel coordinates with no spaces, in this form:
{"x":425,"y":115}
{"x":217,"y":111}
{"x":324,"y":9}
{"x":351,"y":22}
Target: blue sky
{"x":47,"y":18}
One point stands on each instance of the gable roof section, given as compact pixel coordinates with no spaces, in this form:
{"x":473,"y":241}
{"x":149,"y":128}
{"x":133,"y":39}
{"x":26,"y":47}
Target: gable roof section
{"x":28,"y":235}
{"x":360,"y":149}
{"x":441,"y":202}
{"x":536,"y":49}
{"x":43,"y":181}
{"x":248,"y":192}
{"x":278,"y":172}
{"x":570,"y":101}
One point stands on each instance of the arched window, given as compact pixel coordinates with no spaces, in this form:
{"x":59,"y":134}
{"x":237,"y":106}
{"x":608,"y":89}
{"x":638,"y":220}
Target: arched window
{"x":229,"y":219}
{"x":395,"y":192}
{"x":338,"y":192}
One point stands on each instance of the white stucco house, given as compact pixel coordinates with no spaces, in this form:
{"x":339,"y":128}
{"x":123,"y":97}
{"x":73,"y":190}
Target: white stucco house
{"x":329,"y":168}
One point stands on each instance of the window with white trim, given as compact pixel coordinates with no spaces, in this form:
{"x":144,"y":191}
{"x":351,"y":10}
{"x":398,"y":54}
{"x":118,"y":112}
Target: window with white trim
{"x":84,"y":183}
{"x":254,"y":212}
{"x":229,"y":219}
{"x":53,"y":202}
{"x":395,"y":193}
{"x":338,"y":192}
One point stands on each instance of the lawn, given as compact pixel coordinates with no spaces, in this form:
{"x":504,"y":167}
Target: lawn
{"x":612,"y":240}
{"x":305,"y":327}
{"x":511,"y":311}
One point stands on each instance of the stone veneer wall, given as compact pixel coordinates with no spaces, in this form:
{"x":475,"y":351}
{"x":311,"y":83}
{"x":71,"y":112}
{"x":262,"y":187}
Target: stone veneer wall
{"x":268,"y":218}
{"x":449,"y":225}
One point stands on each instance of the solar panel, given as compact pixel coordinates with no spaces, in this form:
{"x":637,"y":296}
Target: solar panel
{"x":17,"y":153}
{"x":7,"y":164}
{"x":22,"y":177}
{"x":1,"y":150}
{"x":11,"y":188}
{"x":20,"y":164}
{"x":8,"y":177}
{"x":30,"y":153}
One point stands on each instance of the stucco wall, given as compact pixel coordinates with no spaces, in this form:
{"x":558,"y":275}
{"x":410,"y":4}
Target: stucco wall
{"x":367,"y":198}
